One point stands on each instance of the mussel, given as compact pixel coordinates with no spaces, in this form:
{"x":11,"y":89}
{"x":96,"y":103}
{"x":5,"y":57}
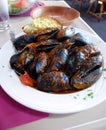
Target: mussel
{"x":54,"y":81}
{"x":59,"y":60}
{"x":89,"y":72}
{"x":38,"y":65}
{"x":81,"y":66}
{"x":47,"y":45}
{"x":77,"y":56}
{"x":20,"y":61}
{"x":20,"y":42}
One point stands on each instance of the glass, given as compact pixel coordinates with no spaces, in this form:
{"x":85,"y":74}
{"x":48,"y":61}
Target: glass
{"x":4,"y":15}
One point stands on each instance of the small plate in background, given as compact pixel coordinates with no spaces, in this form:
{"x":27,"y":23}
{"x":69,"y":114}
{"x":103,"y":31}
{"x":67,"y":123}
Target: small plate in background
{"x":19,"y":7}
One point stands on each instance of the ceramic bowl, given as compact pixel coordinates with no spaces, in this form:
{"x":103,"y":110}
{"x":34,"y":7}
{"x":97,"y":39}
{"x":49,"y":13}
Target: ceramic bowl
{"x":64,"y":15}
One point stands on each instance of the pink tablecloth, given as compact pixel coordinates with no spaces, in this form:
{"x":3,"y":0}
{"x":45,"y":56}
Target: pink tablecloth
{"x":13,"y":114}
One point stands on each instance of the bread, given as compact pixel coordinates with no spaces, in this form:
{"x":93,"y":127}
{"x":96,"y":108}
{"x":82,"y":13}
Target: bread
{"x":40,"y":24}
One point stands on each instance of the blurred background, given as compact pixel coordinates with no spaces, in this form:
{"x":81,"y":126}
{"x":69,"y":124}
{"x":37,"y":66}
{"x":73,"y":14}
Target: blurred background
{"x":98,"y":26}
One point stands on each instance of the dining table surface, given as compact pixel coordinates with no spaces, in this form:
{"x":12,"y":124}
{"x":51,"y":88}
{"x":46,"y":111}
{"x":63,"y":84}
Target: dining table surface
{"x":90,"y":119}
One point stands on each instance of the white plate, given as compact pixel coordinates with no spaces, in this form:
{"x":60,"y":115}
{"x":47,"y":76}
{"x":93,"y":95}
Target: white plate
{"x":46,"y":102}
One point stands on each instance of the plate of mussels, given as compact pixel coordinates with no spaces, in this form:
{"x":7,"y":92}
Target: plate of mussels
{"x":59,"y":74}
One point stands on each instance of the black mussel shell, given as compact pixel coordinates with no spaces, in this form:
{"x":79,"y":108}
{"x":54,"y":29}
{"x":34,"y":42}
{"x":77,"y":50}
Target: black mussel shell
{"x":54,"y":81}
{"x":24,"y":40}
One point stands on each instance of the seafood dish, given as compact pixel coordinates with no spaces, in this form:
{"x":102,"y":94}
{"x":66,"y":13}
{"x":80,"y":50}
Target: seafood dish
{"x":57,"y":60}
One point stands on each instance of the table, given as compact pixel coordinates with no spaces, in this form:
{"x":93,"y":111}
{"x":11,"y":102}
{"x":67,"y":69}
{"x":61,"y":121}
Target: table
{"x":94,"y":118}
